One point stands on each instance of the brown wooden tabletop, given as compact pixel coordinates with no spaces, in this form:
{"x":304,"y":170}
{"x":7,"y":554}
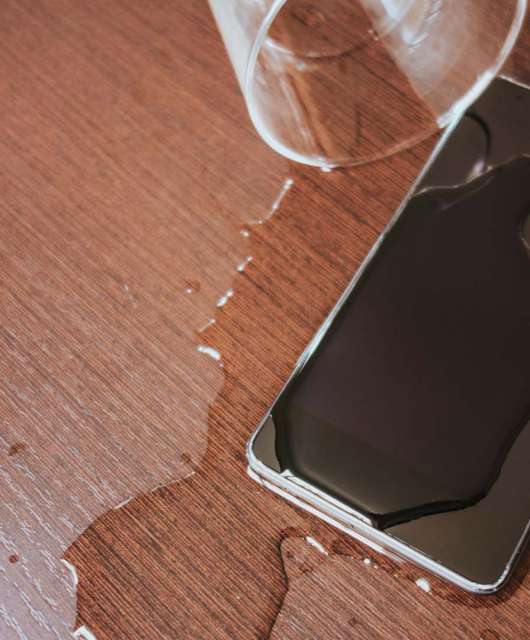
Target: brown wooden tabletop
{"x":159,"y":276}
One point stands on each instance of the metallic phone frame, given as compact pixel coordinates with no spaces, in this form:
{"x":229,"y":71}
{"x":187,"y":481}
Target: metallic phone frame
{"x":332,"y":510}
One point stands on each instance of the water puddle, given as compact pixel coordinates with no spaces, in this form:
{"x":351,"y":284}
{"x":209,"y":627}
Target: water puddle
{"x":74,"y":447}
{"x":206,"y":549}
{"x":106,"y":387}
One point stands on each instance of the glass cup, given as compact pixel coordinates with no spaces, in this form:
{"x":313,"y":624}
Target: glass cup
{"x":340,"y":82}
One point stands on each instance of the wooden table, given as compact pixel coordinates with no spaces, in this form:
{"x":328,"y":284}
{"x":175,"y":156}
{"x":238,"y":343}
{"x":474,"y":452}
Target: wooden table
{"x":137,"y":208}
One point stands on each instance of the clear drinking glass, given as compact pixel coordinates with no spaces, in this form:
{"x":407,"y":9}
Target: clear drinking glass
{"x":335,"y":82}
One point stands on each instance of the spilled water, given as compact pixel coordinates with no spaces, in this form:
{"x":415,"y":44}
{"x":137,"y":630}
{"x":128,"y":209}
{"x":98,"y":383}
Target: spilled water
{"x":105,"y":283}
{"x":70,"y":450}
{"x":93,"y":413}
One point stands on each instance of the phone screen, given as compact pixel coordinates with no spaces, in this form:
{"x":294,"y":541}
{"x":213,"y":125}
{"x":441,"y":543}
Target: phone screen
{"x":414,"y":397}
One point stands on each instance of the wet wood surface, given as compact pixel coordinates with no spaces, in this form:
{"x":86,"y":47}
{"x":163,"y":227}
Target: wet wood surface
{"x":138,"y":205}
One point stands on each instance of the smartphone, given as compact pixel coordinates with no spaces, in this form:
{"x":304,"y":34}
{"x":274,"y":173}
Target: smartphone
{"x":406,"y":422}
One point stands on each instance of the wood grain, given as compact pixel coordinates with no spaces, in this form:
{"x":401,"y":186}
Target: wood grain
{"x":133,"y":187}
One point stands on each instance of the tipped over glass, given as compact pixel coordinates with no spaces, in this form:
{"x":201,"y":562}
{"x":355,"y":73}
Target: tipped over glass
{"x":339,"y":82}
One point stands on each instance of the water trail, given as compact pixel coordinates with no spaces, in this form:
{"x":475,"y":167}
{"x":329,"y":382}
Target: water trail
{"x":209,"y":351}
{"x":72,"y":449}
{"x":225,"y":298}
{"x":286,"y":187}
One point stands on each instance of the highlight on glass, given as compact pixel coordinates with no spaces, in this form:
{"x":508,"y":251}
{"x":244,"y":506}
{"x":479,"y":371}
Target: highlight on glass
{"x":334,"y":82}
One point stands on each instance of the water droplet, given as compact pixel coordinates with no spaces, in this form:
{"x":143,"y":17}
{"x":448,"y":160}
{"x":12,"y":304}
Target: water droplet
{"x":209,"y":351}
{"x":245,"y":233}
{"x":192,"y":286}
{"x":283,"y":192}
{"x":424,"y":584}
{"x":367,"y":562}
{"x":244,"y":264}
{"x":225,"y":298}
{"x":288,"y":183}
{"x":326,"y":169}
{"x":315,"y":543}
